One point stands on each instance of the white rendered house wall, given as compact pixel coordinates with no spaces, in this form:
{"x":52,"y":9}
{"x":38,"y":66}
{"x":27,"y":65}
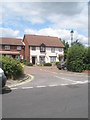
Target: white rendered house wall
{"x":48,"y":53}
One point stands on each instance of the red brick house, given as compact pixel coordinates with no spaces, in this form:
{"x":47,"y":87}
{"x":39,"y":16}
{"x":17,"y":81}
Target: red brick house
{"x":12,"y":47}
{"x":39,"y":49}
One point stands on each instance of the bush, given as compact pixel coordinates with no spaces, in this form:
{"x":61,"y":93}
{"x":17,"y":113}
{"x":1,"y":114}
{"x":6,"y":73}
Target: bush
{"x":12,"y":67}
{"x":86,"y":67}
{"x":57,"y":63}
{"x":75,"y":58}
{"x":28,"y":63}
{"x":86,"y":60}
{"x":47,"y":64}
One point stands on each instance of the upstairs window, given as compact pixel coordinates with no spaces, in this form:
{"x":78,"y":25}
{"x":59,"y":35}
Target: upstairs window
{"x":18,"y":47}
{"x":60,"y":49}
{"x":7,"y":47}
{"x":53,"y":50}
{"x":33,"y":48}
{"x":42,"y":48}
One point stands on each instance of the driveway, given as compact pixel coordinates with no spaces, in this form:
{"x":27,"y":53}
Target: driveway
{"x":51,"y":94}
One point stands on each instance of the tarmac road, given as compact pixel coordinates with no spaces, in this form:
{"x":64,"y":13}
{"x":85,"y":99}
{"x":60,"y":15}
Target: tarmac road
{"x":52,"y":94}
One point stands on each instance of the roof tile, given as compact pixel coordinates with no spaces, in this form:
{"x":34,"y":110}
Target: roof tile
{"x":37,"y":40}
{"x":11,"y":41}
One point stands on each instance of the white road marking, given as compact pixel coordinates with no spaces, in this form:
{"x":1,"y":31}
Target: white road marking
{"x":27,"y":87}
{"x":53,"y":85}
{"x":14,"y":88}
{"x":81,"y":82}
{"x":65,"y":79}
{"x":41,"y":86}
{"x":63,"y":84}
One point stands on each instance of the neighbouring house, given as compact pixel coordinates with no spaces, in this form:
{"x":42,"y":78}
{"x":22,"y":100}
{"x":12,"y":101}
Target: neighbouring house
{"x":12,"y":47}
{"x":43,"y":49}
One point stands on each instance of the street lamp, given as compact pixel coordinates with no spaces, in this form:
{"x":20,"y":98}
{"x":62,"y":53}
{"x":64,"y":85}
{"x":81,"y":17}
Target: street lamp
{"x":71,"y":36}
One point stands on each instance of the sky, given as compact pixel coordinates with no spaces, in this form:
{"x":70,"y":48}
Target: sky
{"x":45,"y":18}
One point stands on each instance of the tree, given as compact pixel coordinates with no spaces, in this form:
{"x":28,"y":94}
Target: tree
{"x":65,"y":49}
{"x":77,"y":43}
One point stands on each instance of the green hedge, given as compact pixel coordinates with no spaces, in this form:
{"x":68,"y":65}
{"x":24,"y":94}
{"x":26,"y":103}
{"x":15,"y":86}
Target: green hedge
{"x":12,"y":67}
{"x":27,"y":63}
{"x":47,"y":64}
{"x":86,"y":66}
{"x":78,"y":58}
{"x":57,"y":63}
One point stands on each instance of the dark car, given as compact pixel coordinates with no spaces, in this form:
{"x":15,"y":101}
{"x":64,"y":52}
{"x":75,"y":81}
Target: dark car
{"x":61,"y":65}
{"x":2,"y":78}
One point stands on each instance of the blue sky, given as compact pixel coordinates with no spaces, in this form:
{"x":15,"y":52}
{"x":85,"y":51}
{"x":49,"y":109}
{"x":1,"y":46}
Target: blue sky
{"x":48,"y":18}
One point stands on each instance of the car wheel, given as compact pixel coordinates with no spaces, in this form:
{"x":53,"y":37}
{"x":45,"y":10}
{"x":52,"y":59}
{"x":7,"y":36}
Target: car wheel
{"x":59,"y":68}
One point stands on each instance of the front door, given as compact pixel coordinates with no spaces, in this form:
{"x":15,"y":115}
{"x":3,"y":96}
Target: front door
{"x":33,"y":60}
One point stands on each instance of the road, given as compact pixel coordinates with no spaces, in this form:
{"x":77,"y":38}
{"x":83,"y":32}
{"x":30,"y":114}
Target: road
{"x":51,"y":94}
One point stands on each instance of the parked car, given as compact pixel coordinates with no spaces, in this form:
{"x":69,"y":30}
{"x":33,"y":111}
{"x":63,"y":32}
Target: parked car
{"x":61,"y":65}
{"x":2,"y":78}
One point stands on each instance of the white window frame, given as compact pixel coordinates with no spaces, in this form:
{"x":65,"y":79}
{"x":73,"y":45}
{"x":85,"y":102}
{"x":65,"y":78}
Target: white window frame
{"x":42,"y":59}
{"x":53,"y":50}
{"x":33,"y":48}
{"x":52,"y":59}
{"x":7,"y":47}
{"x":60,"y":49}
{"x":18,"y":47}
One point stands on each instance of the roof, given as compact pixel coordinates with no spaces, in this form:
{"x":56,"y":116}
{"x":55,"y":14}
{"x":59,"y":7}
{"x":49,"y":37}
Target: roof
{"x":11,"y":41}
{"x":37,"y":40}
{"x":9,"y":52}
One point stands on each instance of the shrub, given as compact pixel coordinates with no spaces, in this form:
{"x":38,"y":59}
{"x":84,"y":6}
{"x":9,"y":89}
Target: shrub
{"x":75,"y":57}
{"x":86,"y":59}
{"x":12,"y":67}
{"x":28,"y":63}
{"x":47,"y":64}
{"x":86,"y":66}
{"x":57,"y":63}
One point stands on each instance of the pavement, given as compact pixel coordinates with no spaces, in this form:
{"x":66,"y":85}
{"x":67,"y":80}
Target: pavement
{"x":25,"y":78}
{"x":52,"y":93}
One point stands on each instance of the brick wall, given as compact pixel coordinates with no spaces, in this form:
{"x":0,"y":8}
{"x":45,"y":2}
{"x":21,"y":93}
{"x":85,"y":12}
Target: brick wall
{"x":27,"y":51}
{"x":13,"y":48}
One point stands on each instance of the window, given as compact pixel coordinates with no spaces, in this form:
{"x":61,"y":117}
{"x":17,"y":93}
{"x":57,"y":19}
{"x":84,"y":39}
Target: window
{"x":42,"y":48}
{"x":7,"y":47}
{"x":18,"y":47}
{"x":60,"y":49}
{"x":17,"y":57}
{"x":42,"y":59}
{"x":52,"y":59}
{"x":33,"y":48}
{"x":53,"y":50}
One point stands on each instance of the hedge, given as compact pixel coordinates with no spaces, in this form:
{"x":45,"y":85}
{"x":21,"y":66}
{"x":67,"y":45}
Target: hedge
{"x":78,"y":58}
{"x":57,"y":63}
{"x":27,"y":63}
{"x":12,"y":67}
{"x":47,"y":64}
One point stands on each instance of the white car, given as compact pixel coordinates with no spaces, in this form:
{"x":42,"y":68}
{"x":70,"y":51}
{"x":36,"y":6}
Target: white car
{"x":2,"y":78}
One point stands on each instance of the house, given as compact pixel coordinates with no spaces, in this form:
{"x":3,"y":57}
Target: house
{"x":40,"y":49}
{"x":12,"y":47}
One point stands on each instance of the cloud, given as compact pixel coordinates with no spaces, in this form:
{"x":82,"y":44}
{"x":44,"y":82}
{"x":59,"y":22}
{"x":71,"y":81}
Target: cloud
{"x":60,"y":33}
{"x":7,"y":32}
{"x":61,"y":17}
{"x":59,"y":14}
